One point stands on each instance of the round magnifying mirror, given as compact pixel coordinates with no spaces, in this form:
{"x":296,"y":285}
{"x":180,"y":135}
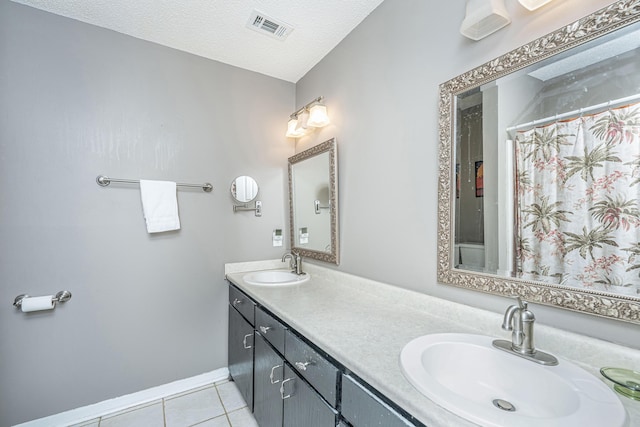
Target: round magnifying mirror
{"x":244,"y":189}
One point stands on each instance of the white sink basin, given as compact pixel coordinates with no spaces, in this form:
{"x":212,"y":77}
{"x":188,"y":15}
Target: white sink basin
{"x":466,"y":375}
{"x":275,"y":278}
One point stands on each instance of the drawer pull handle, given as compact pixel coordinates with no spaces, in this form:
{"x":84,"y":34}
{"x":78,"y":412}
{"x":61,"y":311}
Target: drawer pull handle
{"x":237,"y":301}
{"x":244,"y":341}
{"x":272,"y":374}
{"x":303,"y":365}
{"x":282,"y":389}
{"x":265,"y":329}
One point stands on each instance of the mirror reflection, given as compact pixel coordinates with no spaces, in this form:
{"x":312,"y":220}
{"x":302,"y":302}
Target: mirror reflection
{"x":313,"y":202}
{"x":543,"y":168}
{"x":565,"y":142}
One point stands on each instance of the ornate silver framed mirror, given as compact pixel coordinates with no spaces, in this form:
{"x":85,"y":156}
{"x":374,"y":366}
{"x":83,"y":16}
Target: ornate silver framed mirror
{"x":313,"y":202}
{"x":539,"y":169}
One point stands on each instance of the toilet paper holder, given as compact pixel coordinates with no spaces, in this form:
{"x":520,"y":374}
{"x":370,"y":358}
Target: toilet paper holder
{"x":62,"y":296}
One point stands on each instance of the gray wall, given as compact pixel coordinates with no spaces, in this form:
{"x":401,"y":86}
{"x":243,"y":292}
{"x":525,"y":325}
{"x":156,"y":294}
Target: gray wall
{"x":381,"y":87}
{"x":77,"y":101}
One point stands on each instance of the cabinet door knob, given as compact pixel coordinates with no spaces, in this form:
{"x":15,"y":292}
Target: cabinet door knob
{"x":244,"y":341}
{"x":282,"y":389}
{"x":237,"y":301}
{"x":271,"y":375}
{"x":303,"y":365}
{"x":264,"y":329}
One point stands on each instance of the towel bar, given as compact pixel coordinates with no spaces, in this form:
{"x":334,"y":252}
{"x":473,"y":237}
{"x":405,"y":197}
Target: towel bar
{"x":103,"y":181}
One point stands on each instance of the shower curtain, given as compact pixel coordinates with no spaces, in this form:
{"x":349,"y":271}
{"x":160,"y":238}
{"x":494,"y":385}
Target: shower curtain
{"x":577,"y":191}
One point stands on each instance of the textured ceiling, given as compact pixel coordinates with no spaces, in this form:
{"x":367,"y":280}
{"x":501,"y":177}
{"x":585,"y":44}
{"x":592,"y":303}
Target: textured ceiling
{"x":216,"y":29}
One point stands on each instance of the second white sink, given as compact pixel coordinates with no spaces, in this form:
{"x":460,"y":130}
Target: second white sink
{"x":275,"y":278}
{"x":466,"y":375}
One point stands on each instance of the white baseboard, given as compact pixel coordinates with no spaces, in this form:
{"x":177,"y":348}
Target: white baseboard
{"x":91,"y":412}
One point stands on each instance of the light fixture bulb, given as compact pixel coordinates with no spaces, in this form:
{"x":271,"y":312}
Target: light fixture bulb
{"x":302,"y":127}
{"x":318,"y":116}
{"x":291,"y":128}
{"x":533,"y":4}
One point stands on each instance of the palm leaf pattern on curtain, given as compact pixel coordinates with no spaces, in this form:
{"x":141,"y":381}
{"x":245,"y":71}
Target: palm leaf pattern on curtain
{"x":588,"y":240}
{"x":545,"y":215}
{"x":618,"y":125}
{"x":545,"y":143}
{"x":586,"y":164}
{"x":635,"y":173}
{"x":616,"y":213}
{"x":578,"y":218}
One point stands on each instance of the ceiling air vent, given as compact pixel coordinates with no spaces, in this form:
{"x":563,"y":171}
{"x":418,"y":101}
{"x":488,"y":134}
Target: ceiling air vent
{"x":269,"y":26}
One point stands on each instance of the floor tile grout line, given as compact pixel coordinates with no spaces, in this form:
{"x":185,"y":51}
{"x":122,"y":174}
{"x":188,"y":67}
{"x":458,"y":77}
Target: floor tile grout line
{"x":164,"y":412}
{"x":221,"y":401}
{"x":226,"y":414}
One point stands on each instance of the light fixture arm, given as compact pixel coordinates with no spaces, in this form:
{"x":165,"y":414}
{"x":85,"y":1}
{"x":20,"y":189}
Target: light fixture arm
{"x":306,"y":119}
{"x":295,"y":114}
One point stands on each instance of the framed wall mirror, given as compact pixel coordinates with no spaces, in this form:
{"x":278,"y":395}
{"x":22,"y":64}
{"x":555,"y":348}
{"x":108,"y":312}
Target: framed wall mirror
{"x":539,"y":177}
{"x":313,"y":202}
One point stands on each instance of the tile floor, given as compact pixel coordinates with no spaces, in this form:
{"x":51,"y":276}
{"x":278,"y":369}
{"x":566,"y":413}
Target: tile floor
{"x":217,"y":405}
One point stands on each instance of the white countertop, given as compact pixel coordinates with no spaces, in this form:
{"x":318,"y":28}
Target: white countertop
{"x":365,"y":324}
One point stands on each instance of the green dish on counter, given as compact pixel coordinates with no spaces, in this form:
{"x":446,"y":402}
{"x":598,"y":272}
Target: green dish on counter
{"x":625,"y":381}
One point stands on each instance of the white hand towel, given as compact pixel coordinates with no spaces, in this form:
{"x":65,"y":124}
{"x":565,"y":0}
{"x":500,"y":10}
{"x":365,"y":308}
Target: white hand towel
{"x":159,"y":205}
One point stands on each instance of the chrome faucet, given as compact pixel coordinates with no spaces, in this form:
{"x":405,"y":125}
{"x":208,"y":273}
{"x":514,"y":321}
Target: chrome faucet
{"x":295,"y":262}
{"x":520,"y":320}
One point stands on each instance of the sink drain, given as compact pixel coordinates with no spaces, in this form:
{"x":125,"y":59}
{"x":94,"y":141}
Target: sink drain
{"x":504,"y":405}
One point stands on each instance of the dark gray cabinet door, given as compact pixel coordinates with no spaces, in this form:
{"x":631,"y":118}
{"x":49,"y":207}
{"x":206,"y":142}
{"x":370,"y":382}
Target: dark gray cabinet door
{"x":267,"y":378}
{"x":241,"y":354}
{"x":363,"y":409}
{"x":302,"y":405}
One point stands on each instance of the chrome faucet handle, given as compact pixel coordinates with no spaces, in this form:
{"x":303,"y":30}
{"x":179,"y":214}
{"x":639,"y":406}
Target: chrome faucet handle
{"x":291,"y":257}
{"x":507,"y":323}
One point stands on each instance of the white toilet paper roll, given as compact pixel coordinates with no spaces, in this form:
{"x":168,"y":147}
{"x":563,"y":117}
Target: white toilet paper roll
{"x":37,"y":303}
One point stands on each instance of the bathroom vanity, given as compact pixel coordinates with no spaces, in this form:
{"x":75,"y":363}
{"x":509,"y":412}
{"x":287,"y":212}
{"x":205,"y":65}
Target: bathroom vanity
{"x":326,"y":352}
{"x":288,"y":381}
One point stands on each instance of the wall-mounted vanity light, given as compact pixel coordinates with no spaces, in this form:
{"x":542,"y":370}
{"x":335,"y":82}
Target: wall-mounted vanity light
{"x":533,"y":4}
{"x":244,"y":190}
{"x":307,"y":119}
{"x":484,"y":17}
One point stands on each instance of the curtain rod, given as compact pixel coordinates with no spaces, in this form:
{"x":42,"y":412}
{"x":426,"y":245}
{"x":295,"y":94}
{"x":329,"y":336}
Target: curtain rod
{"x":579,"y":111}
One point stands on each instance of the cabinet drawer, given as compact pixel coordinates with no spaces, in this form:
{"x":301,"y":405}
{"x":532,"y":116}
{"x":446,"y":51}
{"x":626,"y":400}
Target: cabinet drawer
{"x":242,"y":303}
{"x":363,"y":409}
{"x":311,"y":365}
{"x":271,"y":329}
